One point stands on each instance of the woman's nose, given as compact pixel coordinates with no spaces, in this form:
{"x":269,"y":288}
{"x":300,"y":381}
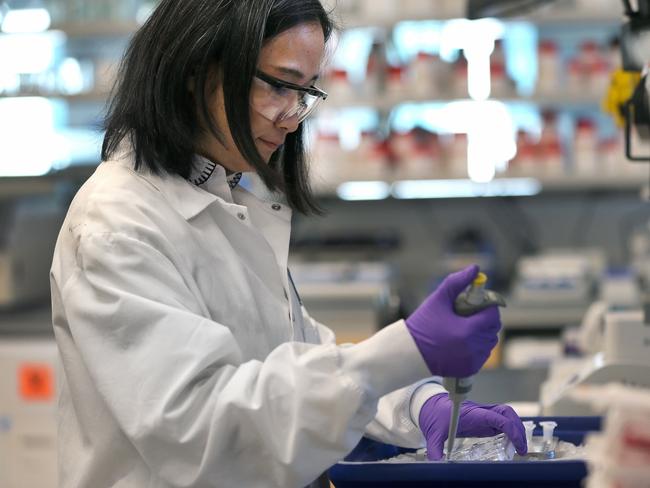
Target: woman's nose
{"x":288,"y":124}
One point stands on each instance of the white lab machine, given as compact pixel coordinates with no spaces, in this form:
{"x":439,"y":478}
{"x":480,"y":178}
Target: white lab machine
{"x":624,"y":358}
{"x":561,"y":277}
{"x":619,"y":290}
{"x":28,"y":438}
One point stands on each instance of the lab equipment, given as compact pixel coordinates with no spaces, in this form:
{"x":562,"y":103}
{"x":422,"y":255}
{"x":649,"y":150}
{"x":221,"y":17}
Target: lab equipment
{"x":28,"y":421}
{"x":497,"y":448}
{"x":619,"y":290}
{"x":474,"y":299}
{"x":561,"y":277}
{"x":453,"y":346}
{"x":624,"y":358}
{"x":529,"y":426}
{"x":500,"y":448}
{"x":548,"y":444}
{"x":477,"y":421}
{"x":458,"y":389}
{"x":620,"y":455}
{"x":548,"y":427}
{"x":544,"y":447}
{"x":375,"y":464}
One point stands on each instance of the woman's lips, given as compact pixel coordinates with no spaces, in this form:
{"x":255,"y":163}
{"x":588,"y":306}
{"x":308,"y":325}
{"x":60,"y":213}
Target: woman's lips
{"x":270,"y":145}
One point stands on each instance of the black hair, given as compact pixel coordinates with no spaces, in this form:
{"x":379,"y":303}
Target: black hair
{"x":179,"y":45}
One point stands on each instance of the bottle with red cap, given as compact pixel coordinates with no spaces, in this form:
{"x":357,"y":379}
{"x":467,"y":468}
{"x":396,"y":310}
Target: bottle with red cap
{"x":548,"y":67}
{"x":585,"y":156}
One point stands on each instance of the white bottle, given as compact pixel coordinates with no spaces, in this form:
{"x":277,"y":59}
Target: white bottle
{"x":551,"y":151}
{"x":585,"y":156}
{"x":548,"y":67}
{"x":327,"y":157}
{"x":423,"y":76}
{"x":396,"y":83}
{"x":526,"y":161}
{"x":338,"y":86}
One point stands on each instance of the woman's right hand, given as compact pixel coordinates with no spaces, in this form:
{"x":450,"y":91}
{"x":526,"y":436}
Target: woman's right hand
{"x":452,"y":345}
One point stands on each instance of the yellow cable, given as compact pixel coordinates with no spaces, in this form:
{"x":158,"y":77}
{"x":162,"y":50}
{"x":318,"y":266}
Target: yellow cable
{"x":621,"y":88}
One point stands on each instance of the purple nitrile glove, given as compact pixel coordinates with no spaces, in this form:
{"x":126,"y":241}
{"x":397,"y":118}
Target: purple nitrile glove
{"x":475,"y":421}
{"x":452,"y":345}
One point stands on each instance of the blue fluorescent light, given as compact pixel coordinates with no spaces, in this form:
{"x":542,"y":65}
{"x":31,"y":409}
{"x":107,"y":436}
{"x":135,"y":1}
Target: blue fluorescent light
{"x":503,"y":187}
{"x":26,"y":20}
{"x":30,"y":144}
{"x":363,"y":190}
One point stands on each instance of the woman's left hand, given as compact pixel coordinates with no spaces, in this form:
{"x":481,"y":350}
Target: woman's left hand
{"x":475,"y":421}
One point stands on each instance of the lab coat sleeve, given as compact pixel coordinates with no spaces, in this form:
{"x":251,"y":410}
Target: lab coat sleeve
{"x":396,"y":421}
{"x":178,"y":387}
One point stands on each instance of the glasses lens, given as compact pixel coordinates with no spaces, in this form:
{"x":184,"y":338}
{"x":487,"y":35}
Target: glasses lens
{"x":303,"y":106}
{"x":279,"y":103}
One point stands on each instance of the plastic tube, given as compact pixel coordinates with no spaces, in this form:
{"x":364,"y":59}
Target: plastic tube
{"x":529,"y":425}
{"x":548,"y":427}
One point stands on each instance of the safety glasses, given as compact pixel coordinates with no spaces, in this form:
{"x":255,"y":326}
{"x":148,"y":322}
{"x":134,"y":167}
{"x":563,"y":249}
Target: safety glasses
{"x":278,"y":100}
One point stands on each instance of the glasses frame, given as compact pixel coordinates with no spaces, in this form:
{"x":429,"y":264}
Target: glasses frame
{"x":278,"y":83}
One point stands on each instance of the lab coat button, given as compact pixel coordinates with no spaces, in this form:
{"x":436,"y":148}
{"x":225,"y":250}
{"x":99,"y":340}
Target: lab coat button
{"x":276,"y":206}
{"x":241,"y":216}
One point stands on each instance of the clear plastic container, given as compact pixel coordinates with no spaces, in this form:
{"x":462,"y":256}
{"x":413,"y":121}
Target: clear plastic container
{"x":498,"y":448}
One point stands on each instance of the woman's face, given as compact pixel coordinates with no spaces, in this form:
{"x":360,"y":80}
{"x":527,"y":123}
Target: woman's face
{"x":294,"y":56}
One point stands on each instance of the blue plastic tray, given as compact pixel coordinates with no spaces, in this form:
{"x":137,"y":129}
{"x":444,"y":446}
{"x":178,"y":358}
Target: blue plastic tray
{"x":365,"y":473}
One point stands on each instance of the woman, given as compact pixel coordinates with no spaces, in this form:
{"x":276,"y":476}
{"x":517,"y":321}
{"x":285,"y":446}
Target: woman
{"x":187,"y":357}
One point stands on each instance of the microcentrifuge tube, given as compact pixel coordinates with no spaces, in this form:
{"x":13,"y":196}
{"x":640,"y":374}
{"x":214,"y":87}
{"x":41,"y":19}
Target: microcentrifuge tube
{"x":547,"y":428}
{"x":529,"y":426}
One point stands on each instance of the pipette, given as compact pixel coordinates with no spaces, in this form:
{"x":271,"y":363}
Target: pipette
{"x":469,"y":302}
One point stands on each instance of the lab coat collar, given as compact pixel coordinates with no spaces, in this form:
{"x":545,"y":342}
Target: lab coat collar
{"x":188,"y":199}
{"x":211,"y":176}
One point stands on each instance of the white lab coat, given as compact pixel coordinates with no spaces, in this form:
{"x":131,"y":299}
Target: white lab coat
{"x":186,"y":360}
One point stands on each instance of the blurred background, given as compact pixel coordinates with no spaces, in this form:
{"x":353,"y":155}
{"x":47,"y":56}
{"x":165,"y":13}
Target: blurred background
{"x":444,"y":141}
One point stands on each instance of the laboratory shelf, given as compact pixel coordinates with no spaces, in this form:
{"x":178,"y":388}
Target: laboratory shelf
{"x":568,"y":183}
{"x":386,"y":102}
{"x":557,"y":184}
{"x":574,"y":16}
{"x":93,"y":97}
{"x":542,"y":17}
